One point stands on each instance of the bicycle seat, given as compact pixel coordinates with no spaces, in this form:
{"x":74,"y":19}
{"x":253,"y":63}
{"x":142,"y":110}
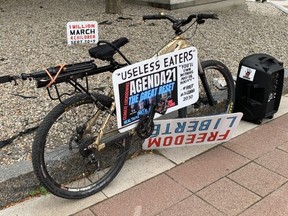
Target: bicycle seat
{"x":106,"y":51}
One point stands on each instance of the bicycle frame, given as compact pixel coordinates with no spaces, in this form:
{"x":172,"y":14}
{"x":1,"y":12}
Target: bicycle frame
{"x":177,"y":43}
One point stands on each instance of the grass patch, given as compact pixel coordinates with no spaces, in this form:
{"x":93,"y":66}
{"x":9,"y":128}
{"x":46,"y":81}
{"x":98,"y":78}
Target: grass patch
{"x":38,"y":191}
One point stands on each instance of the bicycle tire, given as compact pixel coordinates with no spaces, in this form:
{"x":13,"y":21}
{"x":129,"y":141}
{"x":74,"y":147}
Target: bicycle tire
{"x":221,"y":84}
{"x":69,"y":172}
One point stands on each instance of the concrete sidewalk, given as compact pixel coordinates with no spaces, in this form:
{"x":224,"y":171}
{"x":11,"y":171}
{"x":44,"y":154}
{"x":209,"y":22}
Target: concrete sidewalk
{"x":245,"y":176}
{"x":280,"y":4}
{"x":248,"y":175}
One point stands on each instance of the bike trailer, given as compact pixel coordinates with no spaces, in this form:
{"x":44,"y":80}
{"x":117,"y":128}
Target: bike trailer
{"x":259,"y":87}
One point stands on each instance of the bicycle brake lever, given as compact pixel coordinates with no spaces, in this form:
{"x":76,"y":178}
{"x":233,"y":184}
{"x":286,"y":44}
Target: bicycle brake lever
{"x":200,"y":21}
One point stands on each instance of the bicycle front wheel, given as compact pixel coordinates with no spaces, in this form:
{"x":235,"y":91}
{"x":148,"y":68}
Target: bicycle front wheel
{"x":216,"y":91}
{"x":61,"y":159}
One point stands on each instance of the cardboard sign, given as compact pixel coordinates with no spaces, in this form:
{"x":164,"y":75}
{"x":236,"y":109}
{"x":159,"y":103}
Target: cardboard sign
{"x":192,"y":131}
{"x":82,"y":32}
{"x":169,"y":81}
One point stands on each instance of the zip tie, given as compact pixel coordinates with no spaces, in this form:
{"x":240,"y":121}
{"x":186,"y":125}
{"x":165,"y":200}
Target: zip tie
{"x":53,"y":79}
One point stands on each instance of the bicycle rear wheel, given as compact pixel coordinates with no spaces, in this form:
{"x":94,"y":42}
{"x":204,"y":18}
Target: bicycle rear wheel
{"x":61,"y":160}
{"x":218,"y":80}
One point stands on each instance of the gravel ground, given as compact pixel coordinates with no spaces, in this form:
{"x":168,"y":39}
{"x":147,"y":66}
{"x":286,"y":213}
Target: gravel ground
{"x":33,"y":36}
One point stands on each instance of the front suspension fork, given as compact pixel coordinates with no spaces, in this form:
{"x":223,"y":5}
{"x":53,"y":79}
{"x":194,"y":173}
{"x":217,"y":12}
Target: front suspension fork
{"x":205,"y":84}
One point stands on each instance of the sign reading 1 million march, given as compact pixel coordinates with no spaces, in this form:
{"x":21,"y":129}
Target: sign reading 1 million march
{"x":171,"y":79}
{"x":82,"y":32}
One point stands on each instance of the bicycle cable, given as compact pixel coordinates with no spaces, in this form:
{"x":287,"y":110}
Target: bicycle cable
{"x":189,"y":27}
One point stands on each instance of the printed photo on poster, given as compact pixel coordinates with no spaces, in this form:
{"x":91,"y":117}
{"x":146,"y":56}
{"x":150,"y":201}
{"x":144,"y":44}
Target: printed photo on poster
{"x":141,"y":94}
{"x":168,"y":83}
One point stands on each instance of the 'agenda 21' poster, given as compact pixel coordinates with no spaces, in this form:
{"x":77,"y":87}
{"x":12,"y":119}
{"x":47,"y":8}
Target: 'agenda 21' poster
{"x":171,"y":79}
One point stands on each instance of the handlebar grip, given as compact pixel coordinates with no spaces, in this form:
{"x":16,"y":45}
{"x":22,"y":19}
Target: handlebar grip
{"x":207,"y":16}
{"x":4,"y":79}
{"x":153,"y":17}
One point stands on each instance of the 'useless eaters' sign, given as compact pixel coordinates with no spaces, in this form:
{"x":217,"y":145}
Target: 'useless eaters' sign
{"x":170,"y":80}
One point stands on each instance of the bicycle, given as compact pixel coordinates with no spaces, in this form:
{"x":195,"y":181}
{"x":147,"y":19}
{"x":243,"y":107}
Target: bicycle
{"x":77,"y":151}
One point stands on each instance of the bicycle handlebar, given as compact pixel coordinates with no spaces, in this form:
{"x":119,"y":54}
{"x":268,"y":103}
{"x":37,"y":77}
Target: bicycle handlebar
{"x":159,"y":16}
{"x":178,"y":23}
{"x":6,"y":78}
{"x":207,"y":16}
{"x":173,"y":20}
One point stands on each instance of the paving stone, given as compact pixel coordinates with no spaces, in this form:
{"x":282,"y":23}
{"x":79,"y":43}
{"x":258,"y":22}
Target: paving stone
{"x":280,"y":122}
{"x":228,"y":197}
{"x":258,"y":141}
{"x":86,"y":212}
{"x":284,"y":147}
{"x":257,"y":179}
{"x":275,"y":204}
{"x":148,"y":198}
{"x":207,"y":168}
{"x":192,"y":206}
{"x":276,"y":161}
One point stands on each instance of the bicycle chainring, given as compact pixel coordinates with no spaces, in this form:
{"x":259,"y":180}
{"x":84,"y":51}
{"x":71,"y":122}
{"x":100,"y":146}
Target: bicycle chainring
{"x":145,"y":127}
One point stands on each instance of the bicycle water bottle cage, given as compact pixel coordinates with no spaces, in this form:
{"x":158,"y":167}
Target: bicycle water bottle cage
{"x":107,"y":50}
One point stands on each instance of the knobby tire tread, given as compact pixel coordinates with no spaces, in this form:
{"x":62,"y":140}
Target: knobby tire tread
{"x":223,"y":69}
{"x":40,"y":141}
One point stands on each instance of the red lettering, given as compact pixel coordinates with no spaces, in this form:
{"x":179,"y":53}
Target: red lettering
{"x":201,"y":137}
{"x":179,"y":140}
{"x":213,"y":136}
{"x":125,"y":111}
{"x":126,"y":97}
{"x":190,"y":138}
{"x":224,"y":136}
{"x":154,"y":141}
{"x":168,"y":141}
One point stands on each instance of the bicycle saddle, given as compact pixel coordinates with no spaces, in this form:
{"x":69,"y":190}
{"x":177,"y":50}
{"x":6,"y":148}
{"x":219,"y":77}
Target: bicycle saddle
{"x":106,"y":51}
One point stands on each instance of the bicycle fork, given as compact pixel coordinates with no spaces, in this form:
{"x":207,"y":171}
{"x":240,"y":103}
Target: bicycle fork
{"x":205,"y":84}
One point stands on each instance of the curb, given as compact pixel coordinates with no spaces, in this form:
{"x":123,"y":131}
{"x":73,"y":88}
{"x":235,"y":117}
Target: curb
{"x":17,"y":181}
{"x":279,"y":6}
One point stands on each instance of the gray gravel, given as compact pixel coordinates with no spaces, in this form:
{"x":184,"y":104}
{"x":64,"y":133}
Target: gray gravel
{"x":33,"y":36}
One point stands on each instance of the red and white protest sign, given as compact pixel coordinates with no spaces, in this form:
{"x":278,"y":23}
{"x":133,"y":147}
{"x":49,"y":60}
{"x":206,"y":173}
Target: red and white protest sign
{"x":192,"y":131}
{"x":82,"y":32}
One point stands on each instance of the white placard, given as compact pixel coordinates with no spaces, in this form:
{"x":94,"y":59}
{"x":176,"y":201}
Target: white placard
{"x":247,"y":73}
{"x":192,"y":131}
{"x":170,"y":79}
{"x":82,"y":32}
